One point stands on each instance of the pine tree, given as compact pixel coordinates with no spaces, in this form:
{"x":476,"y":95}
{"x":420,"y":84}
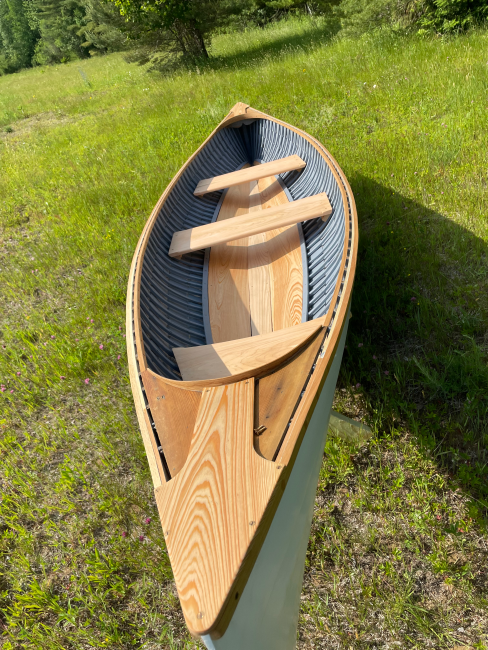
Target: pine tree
{"x":17,"y":38}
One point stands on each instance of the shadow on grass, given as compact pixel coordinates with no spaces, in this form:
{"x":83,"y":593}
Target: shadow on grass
{"x":313,"y":34}
{"x":417,"y":341}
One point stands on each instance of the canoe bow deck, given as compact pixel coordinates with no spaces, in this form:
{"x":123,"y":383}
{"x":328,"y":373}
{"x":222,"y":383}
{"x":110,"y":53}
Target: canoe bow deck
{"x":229,"y":346}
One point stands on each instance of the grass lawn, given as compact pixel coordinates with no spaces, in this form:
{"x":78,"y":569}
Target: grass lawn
{"x":398,"y":555}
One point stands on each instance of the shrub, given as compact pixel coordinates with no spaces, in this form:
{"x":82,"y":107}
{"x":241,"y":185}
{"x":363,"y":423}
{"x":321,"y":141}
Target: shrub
{"x":441,"y":16}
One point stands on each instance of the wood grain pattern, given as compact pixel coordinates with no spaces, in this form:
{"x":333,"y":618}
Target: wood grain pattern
{"x":272,"y":168}
{"x":258,"y":274}
{"x":212,"y":509}
{"x":228,"y":288}
{"x":252,"y":355}
{"x":174,"y":411}
{"x":277,"y":395}
{"x":286,"y":268}
{"x":195,"y":239}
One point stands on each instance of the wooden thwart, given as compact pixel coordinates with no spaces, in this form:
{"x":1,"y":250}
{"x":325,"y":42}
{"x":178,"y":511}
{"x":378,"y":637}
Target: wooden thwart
{"x":220,"y":232}
{"x":250,"y":174}
{"x":248,"y":356}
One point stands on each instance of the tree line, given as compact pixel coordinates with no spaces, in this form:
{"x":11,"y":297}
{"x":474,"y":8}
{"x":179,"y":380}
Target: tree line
{"x":167,"y":32}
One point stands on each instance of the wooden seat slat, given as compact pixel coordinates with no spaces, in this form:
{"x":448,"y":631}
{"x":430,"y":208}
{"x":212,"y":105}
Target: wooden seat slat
{"x":281,"y":166}
{"x":249,"y":356}
{"x":220,"y":232}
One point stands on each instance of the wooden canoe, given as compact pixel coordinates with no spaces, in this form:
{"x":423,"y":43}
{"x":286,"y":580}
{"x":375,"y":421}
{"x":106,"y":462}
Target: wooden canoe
{"x":237,"y":308}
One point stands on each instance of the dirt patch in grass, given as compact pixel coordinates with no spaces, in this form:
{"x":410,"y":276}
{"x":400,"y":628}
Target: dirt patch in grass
{"x":24,"y":127}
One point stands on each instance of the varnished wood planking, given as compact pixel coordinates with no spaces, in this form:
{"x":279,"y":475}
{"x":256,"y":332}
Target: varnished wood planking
{"x":228,"y":288}
{"x":212,"y":509}
{"x":252,"y":355}
{"x":210,"y":234}
{"x":258,"y":275}
{"x":174,"y":411}
{"x":292,"y":443}
{"x":246,"y":175}
{"x":277,"y":395}
{"x":286,"y":268}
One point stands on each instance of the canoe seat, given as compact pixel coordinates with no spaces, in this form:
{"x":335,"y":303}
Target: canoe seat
{"x":253,"y":223}
{"x":288,"y":164}
{"x":244,"y":357}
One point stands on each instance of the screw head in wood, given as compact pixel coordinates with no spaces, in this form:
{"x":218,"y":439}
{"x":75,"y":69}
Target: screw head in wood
{"x":200,"y":615}
{"x":251,"y":523}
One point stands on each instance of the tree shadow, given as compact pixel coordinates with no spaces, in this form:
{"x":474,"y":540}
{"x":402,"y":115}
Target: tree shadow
{"x":417,"y":342}
{"x":313,"y":34}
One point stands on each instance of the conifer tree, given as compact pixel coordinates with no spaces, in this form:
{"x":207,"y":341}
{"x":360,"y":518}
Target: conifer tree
{"x":17,"y":38}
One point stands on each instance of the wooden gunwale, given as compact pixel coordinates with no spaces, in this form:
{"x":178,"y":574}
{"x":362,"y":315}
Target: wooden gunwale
{"x":334,"y":321}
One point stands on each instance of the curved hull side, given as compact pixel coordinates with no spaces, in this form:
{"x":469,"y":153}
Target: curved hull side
{"x":266,"y":617}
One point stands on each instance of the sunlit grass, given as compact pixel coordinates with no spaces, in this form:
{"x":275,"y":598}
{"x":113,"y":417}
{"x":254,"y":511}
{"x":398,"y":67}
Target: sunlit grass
{"x":87,"y":157}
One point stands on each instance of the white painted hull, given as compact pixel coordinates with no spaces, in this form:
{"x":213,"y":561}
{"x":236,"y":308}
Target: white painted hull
{"x":266,"y":617}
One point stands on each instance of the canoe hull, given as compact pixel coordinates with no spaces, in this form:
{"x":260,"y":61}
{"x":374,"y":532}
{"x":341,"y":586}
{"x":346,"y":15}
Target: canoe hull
{"x":165,"y":311}
{"x":266,"y":617}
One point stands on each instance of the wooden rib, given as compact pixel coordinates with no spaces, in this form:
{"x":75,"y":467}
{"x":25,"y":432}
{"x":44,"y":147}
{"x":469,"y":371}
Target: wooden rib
{"x":286,"y":269}
{"x":195,"y":239}
{"x":174,"y":411}
{"x":252,"y":355}
{"x":280,"y":166}
{"x":258,"y":274}
{"x":228,"y":291}
{"x":277,"y":396}
{"x":211,"y":511}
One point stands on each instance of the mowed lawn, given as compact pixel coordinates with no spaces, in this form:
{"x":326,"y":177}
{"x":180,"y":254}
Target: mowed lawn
{"x":398,"y":555}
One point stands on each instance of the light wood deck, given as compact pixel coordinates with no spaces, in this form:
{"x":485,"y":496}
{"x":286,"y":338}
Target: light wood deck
{"x":251,"y":355}
{"x":213,"y":511}
{"x":288,"y":164}
{"x":211,"y":234}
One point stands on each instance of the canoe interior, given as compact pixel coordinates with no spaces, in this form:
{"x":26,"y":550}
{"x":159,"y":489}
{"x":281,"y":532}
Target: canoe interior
{"x":173,"y":298}
{"x":254,"y":324}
